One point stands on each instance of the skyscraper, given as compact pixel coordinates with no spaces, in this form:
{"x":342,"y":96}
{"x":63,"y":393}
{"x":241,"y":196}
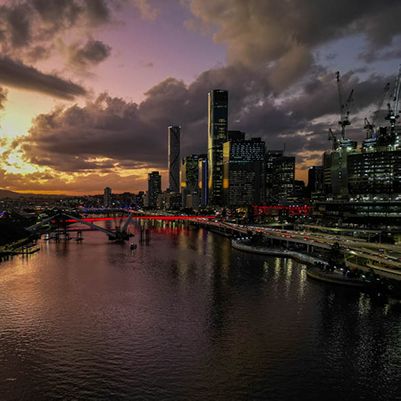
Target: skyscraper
{"x":271,"y":156}
{"x":243,"y":166}
{"x":174,"y":133}
{"x":202,"y":180}
{"x":283,"y":178}
{"x":217,"y":135}
{"x":190,"y":180}
{"x":107,"y":197}
{"x":154,"y":188}
{"x":315,"y":179}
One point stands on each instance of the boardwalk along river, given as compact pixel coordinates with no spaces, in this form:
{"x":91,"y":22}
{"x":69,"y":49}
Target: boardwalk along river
{"x":187,"y":318}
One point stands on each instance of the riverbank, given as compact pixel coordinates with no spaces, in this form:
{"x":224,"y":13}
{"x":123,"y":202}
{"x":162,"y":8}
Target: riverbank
{"x":24,"y":246}
{"x":314,"y":269}
{"x":335,"y":277}
{"x":284,"y":253}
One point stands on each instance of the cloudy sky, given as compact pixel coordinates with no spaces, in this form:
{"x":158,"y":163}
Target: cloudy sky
{"x":88,"y":87}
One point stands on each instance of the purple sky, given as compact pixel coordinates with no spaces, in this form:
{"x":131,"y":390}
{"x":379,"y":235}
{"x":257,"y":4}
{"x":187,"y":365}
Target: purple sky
{"x":88,"y":87}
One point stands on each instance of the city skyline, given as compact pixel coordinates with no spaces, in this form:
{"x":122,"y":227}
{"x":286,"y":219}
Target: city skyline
{"x":101,"y":88}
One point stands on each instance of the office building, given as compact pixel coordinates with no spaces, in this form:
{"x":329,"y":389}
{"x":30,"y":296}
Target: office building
{"x":374,"y":173}
{"x":282,"y":179}
{"x":174,"y":134}
{"x":370,"y":190}
{"x":299,"y":191}
{"x":217,"y":136}
{"x":315,"y":180}
{"x":280,"y":176}
{"x":271,"y":156}
{"x":235,"y":135}
{"x":154,"y":188}
{"x":243,"y":168}
{"x":202,"y":180}
{"x":335,"y":171}
{"x":190,"y":179}
{"x":107,"y":197}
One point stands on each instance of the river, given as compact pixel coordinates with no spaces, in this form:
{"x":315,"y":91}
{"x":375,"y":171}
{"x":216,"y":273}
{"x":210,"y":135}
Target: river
{"x":187,"y":318}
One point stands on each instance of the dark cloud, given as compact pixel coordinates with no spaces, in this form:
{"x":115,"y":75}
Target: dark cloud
{"x":16,"y":74}
{"x":26,"y":22}
{"x":111,"y":133}
{"x":372,"y":55}
{"x":29,"y":29}
{"x":282,"y":35}
{"x":34,"y":30}
{"x":276,"y":89}
{"x":90,"y":54}
{"x":98,"y":11}
{"x":17,"y":20}
{"x":318,"y":96}
{"x":37,"y":53}
{"x":63,"y":13}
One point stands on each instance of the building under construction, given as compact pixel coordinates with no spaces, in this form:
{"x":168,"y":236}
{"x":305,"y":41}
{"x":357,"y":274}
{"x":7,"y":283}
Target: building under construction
{"x":364,"y":183}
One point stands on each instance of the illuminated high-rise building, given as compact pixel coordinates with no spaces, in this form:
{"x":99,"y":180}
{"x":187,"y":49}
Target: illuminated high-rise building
{"x":107,"y":202}
{"x":244,"y":177}
{"x":154,"y":188}
{"x":283,"y":178}
{"x":315,"y":180}
{"x":271,"y":157}
{"x":190,"y":180}
{"x":375,"y":173}
{"x":280,"y":176}
{"x":202,"y":180}
{"x":217,"y":135}
{"x":174,"y":133}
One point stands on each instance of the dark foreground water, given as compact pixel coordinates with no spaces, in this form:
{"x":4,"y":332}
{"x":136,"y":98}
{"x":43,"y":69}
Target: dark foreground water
{"x":187,"y":318}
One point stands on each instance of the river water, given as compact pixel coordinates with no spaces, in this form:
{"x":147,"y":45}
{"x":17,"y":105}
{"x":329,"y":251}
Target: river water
{"x":187,"y":318}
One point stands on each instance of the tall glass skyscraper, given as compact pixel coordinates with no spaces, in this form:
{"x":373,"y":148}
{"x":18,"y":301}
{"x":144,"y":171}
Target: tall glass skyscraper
{"x":202,"y":180}
{"x":244,"y":171}
{"x":107,"y":197}
{"x":154,"y":188}
{"x":217,"y":135}
{"x":174,"y":133}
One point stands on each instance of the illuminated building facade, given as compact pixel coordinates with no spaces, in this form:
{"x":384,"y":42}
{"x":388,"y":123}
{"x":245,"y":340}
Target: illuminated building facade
{"x":190,"y":180}
{"x":174,"y":133}
{"x":283,"y":179}
{"x":271,"y":156}
{"x":243,"y":167}
{"x":107,"y":197}
{"x":217,"y":136}
{"x":335,"y":170}
{"x":376,"y":173}
{"x":154,"y":188}
{"x":202,"y":180}
{"x":372,"y":193}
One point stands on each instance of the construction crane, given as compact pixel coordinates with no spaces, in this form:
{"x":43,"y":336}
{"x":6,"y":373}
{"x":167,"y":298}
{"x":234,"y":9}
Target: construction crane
{"x":393,"y":108}
{"x":370,"y":126}
{"x":344,"y":107}
{"x":333,"y":138}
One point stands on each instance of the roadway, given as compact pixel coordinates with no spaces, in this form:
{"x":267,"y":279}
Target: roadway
{"x":379,"y":257}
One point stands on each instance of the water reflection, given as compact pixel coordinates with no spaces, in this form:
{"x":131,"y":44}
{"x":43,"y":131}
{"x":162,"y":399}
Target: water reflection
{"x":186,"y":317}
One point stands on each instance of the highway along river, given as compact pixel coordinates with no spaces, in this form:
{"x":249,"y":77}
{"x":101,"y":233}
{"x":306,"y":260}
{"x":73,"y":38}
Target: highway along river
{"x":187,"y":318}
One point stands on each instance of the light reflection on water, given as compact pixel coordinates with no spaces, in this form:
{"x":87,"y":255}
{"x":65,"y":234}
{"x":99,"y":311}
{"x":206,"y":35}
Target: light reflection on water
{"x":186,"y":318}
